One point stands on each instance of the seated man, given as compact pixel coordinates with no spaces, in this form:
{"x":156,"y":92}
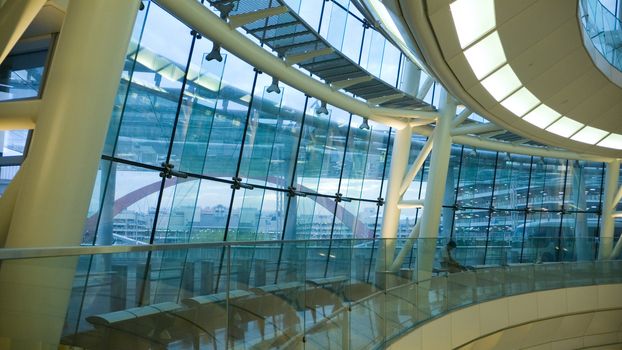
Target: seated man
{"x":448,"y":262}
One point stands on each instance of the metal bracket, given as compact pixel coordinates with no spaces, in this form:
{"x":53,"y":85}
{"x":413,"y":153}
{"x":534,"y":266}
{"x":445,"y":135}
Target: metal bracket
{"x":291,"y":192}
{"x":168,"y":172}
{"x":237,"y":184}
{"x":340,"y":198}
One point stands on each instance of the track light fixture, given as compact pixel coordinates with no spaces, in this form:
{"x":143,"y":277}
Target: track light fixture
{"x":214,"y":54}
{"x":365,"y":124}
{"x":274,"y":87}
{"x":322,"y":109}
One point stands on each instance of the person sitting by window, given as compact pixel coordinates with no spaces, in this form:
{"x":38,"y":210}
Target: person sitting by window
{"x":448,"y":262}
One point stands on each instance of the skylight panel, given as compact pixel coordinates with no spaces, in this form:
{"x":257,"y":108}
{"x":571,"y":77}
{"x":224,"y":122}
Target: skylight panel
{"x":520,"y":102}
{"x":589,"y":135}
{"x":565,"y":127}
{"x":612,"y":141}
{"x":501,"y":83}
{"x":542,"y":116}
{"x":472,"y":19}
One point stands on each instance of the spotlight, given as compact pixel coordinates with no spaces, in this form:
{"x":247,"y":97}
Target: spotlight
{"x":214,"y":54}
{"x":365,"y":124}
{"x":224,"y":8}
{"x":322,"y":109}
{"x":274,"y":87}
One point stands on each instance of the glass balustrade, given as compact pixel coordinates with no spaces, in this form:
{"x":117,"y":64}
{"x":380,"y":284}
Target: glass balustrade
{"x":353,"y":293}
{"x":604,"y":29}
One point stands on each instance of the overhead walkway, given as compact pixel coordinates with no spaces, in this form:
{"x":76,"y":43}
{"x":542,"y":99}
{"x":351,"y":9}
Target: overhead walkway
{"x":276,"y":25}
{"x":240,"y":295}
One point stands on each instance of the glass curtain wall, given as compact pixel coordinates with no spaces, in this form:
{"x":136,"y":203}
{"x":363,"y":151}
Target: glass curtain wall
{"x":200,"y":150}
{"x":519,"y":208}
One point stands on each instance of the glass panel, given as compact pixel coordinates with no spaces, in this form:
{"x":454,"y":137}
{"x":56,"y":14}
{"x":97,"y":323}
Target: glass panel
{"x":227,"y":126}
{"x":204,"y":91}
{"x":151,"y":104}
{"x":122,"y":96}
{"x":23,"y":71}
{"x":547,"y":184}
{"x":257,"y":215}
{"x":477,"y":178}
{"x":127,"y":209}
{"x":212,"y":209}
{"x":272,"y":137}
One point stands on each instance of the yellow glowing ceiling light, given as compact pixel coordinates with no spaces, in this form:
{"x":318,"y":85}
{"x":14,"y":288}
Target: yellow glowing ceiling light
{"x":612,"y":141}
{"x":501,"y":83}
{"x":486,"y":56}
{"x":472,"y":19}
{"x":520,"y":102}
{"x":564,"y":127}
{"x":589,"y":135}
{"x":542,"y":116}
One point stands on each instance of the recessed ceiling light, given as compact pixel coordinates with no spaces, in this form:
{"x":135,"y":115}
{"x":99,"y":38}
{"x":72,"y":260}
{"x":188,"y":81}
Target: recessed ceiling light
{"x":564,"y":127}
{"x":501,"y":83}
{"x":589,"y":135}
{"x":472,"y":19}
{"x":612,"y":141}
{"x":542,"y":116}
{"x":486,"y":56}
{"x":520,"y":102}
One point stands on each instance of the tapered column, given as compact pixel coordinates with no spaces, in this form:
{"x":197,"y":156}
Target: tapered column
{"x":391,"y":214}
{"x":57,"y":177}
{"x":435,"y":188}
{"x":608,"y":223}
{"x":583,"y":243}
{"x":15,"y":17}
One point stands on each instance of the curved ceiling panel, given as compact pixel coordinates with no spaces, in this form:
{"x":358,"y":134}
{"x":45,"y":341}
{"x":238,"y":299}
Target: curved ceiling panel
{"x":522,"y":64}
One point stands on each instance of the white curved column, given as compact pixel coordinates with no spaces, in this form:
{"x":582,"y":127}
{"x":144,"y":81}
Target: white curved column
{"x":57,"y":178}
{"x":15,"y":17}
{"x":435,"y":188}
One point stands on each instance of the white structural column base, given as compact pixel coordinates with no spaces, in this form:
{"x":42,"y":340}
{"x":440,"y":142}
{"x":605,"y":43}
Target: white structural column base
{"x":57,"y":179}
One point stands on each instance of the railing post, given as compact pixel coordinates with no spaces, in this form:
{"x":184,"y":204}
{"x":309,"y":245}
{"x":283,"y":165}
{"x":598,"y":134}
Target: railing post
{"x":118,"y":288}
{"x":187,"y":279}
{"x":260,"y":273}
{"x":143,"y":284}
{"x":207,"y":277}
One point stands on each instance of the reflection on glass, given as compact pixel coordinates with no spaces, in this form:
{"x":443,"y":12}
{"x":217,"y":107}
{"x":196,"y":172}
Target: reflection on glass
{"x":23,"y":71}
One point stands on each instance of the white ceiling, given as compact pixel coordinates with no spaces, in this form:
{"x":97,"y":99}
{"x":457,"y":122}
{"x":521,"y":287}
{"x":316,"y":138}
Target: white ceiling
{"x":543,"y":44}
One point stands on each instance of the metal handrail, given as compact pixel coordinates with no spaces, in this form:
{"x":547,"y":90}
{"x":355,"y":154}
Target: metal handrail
{"x":50,"y":252}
